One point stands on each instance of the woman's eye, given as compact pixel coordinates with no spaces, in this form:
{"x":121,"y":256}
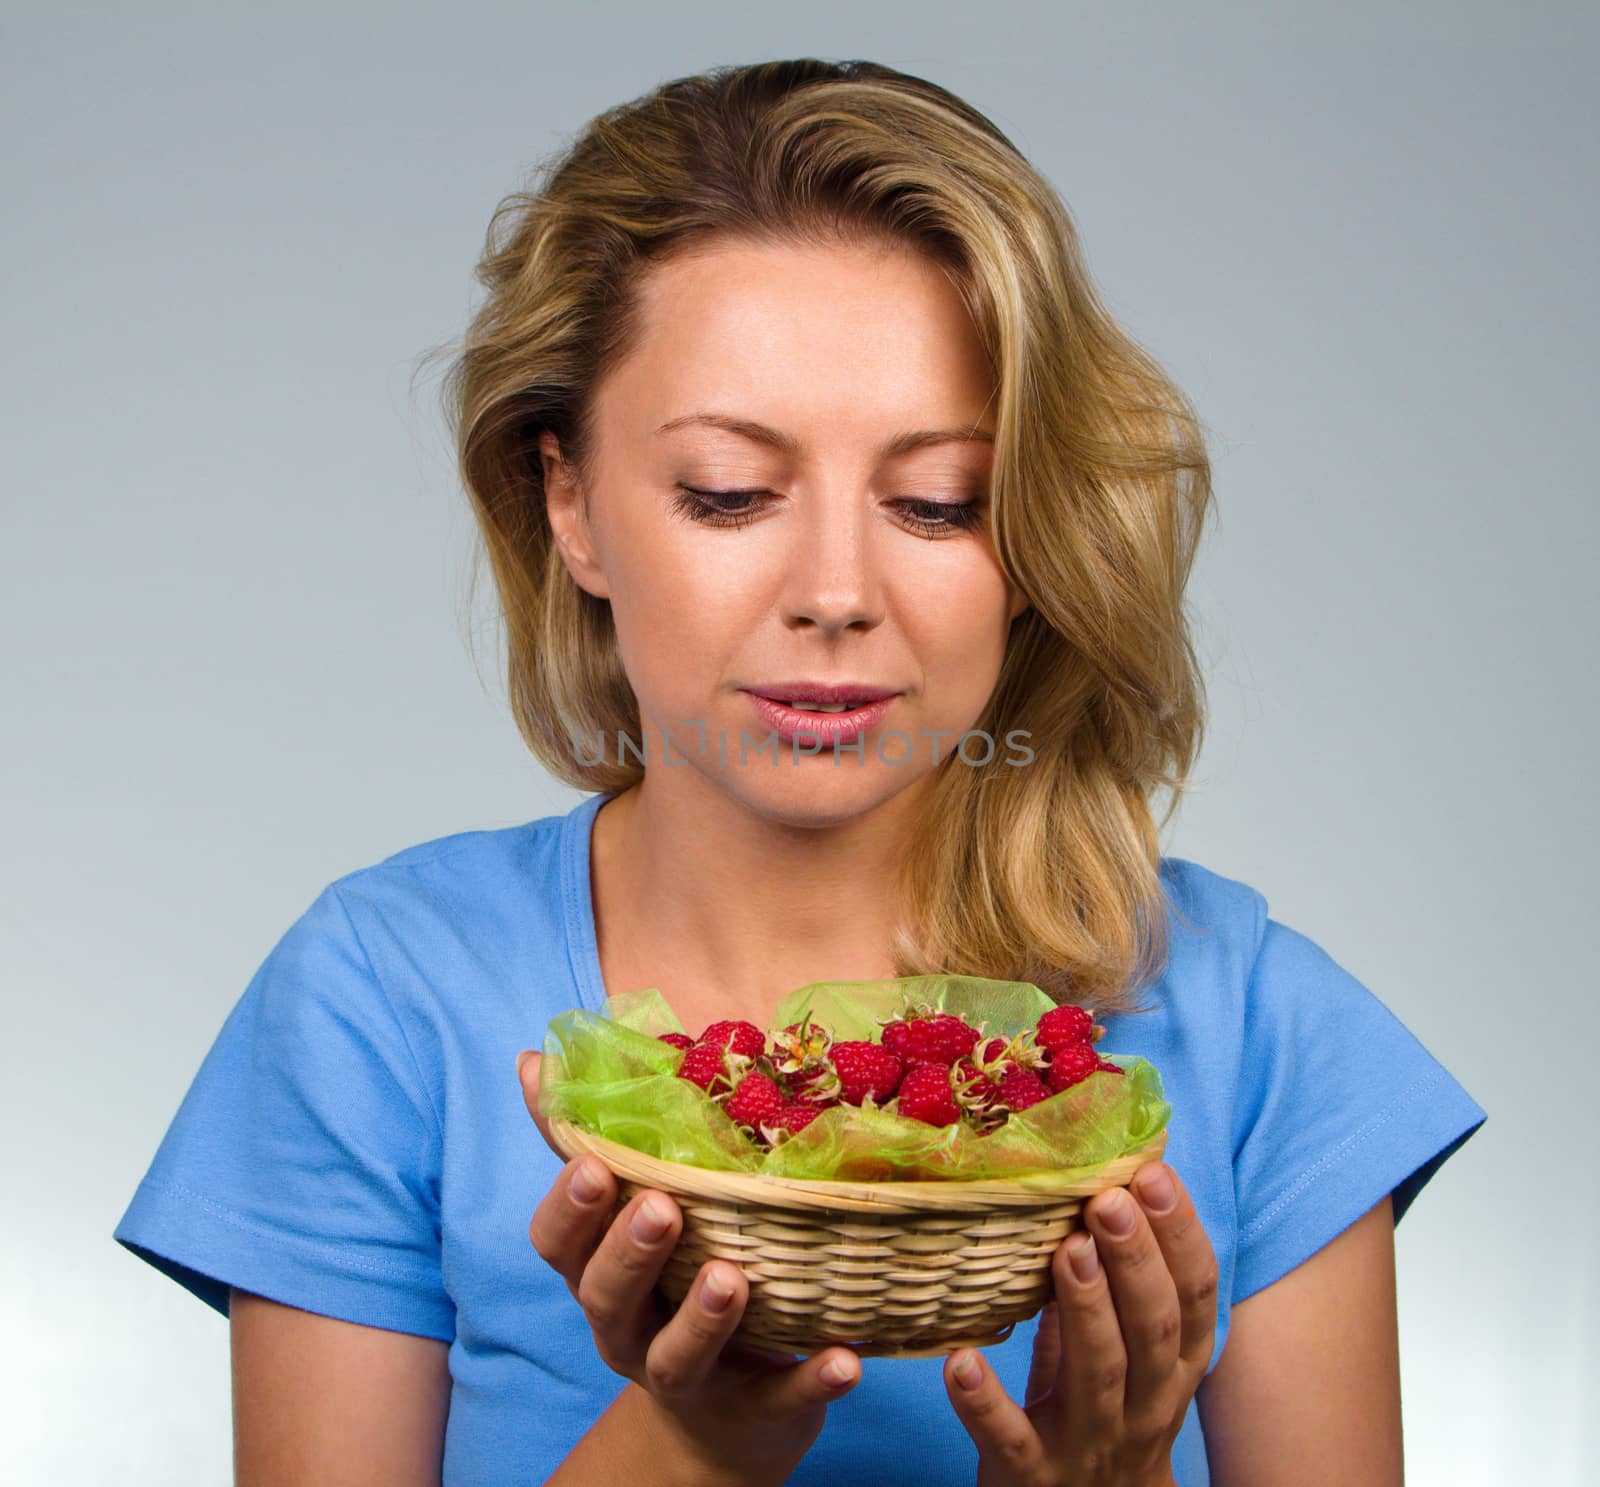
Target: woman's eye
{"x":734,"y":508}
{"x":938,"y":517}
{"x":716,"y":508}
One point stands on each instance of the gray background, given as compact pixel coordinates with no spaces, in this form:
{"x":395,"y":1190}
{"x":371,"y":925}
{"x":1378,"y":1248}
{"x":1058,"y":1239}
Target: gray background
{"x":236,"y":613}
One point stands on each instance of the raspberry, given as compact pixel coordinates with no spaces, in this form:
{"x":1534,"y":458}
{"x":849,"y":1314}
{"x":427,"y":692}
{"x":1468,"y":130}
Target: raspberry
{"x":798,"y":1114}
{"x":801,"y":1041}
{"x":756,"y":1099}
{"x":1061,"y":1027}
{"x":706,"y":1065}
{"x":997,"y":1056}
{"x":807,"y":1036}
{"x":1021,"y":1088}
{"x":925,"y":1095}
{"x":1071,"y":1065}
{"x":794,"y":1115}
{"x":678,"y":1040}
{"x":974,"y":1090}
{"x":930,"y":1037}
{"x":742,"y":1037}
{"x":799,"y":1053}
{"x":815,"y":1083}
{"x":862,"y":1071}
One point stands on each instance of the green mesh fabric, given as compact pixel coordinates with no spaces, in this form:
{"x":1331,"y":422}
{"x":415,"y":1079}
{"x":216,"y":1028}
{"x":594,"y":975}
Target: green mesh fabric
{"x":611,"y":1075}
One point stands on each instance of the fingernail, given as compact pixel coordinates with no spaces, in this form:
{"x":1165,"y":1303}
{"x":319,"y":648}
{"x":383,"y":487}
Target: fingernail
{"x":1156,"y":1190}
{"x":649,"y":1222}
{"x":967,"y":1372}
{"x":586,"y":1185}
{"x":523,"y":1058}
{"x":1116,"y":1213}
{"x":836,"y":1372}
{"x":716,"y":1293}
{"x":1083,"y":1257}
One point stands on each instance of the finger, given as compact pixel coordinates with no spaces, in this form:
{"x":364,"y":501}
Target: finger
{"x":684,"y":1352}
{"x":616,"y":1290}
{"x":1046,"y":1362}
{"x":1094,"y":1362}
{"x":528,"y":1063}
{"x":1191,"y":1260}
{"x":572,"y":1217}
{"x":1145,"y":1298}
{"x":819,"y":1379}
{"x":1000,"y":1429}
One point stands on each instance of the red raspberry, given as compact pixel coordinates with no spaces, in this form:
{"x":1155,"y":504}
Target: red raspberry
{"x":707,"y":1066}
{"x":678,"y":1040}
{"x":1061,"y":1027}
{"x":930,"y":1037}
{"x":1021,"y":1088}
{"x":990,"y":1050}
{"x":796,"y":1115}
{"x":799,"y":1053}
{"x":1072,"y":1065}
{"x":814,"y":1083}
{"x":974,"y":1090}
{"x":805,"y":1035}
{"x":925,"y":1095}
{"x":743,"y":1037}
{"x":801,"y":1041}
{"x":757,"y":1099}
{"x":864,"y":1069}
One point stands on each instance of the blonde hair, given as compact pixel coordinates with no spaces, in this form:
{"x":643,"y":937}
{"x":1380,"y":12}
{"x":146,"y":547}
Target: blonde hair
{"x":1046,"y":872}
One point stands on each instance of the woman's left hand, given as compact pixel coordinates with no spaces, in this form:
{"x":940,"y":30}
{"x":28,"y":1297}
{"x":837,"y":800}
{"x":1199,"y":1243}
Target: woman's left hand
{"x":1118,"y":1355}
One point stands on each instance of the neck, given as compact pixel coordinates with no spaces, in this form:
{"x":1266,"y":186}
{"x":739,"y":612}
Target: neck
{"x":726,"y":910}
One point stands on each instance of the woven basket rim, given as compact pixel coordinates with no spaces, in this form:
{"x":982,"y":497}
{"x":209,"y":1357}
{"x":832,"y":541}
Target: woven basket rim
{"x":810,"y":1193}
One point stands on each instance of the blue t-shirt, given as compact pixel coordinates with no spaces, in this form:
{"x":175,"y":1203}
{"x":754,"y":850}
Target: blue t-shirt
{"x":355,"y":1142}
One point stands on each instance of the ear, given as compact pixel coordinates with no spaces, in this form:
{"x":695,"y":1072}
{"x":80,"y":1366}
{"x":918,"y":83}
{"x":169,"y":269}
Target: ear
{"x":1019,"y":602}
{"x":565,"y":510}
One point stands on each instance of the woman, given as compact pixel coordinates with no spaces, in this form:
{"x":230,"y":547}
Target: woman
{"x":841,"y":538}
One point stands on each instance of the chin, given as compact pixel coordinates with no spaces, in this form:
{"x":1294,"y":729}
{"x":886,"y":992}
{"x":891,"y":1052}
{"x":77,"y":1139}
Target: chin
{"x":815,"y":794}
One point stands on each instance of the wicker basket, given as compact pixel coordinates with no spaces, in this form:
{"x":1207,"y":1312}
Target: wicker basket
{"x":890,"y":1269}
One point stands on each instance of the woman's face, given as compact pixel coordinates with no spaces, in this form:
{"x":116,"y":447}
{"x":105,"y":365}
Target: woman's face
{"x":797,"y":377}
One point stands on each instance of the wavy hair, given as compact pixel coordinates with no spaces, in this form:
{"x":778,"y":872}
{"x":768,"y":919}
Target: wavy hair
{"x":1047,"y":872}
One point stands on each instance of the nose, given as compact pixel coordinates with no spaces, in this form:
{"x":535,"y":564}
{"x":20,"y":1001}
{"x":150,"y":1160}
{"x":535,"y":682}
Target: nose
{"x":833,"y":581}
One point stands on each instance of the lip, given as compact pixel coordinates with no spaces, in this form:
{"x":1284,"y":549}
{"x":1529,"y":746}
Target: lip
{"x":792,"y":725}
{"x":850,"y":693}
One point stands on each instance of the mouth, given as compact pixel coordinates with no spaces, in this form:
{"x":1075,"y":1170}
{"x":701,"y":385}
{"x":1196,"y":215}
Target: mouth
{"x":803,"y":711}
{"x":819,"y":697}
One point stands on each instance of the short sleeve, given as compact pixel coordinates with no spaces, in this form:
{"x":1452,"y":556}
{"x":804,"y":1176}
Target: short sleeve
{"x":303,"y":1162}
{"x":1340,"y":1104}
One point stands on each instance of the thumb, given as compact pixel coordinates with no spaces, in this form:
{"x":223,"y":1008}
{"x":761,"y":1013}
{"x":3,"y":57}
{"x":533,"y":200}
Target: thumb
{"x":821,"y":1379}
{"x":528,"y":1063}
{"x":998,"y":1425}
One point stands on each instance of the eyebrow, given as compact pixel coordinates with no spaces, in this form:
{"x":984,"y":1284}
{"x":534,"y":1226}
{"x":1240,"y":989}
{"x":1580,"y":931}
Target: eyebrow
{"x":776,"y":439}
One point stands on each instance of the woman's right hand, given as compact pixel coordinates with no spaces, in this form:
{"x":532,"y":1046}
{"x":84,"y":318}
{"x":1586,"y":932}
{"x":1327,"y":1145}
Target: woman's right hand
{"x":742,"y":1414}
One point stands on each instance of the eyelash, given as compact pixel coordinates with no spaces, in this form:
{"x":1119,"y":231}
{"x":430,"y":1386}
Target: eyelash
{"x":696,"y":504}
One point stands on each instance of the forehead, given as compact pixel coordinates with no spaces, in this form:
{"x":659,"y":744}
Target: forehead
{"x":800,"y":334}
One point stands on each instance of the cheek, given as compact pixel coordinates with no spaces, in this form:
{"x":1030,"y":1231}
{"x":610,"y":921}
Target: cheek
{"x":664,"y":568}
{"x":958,"y":629}
{"x":678,"y":616}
